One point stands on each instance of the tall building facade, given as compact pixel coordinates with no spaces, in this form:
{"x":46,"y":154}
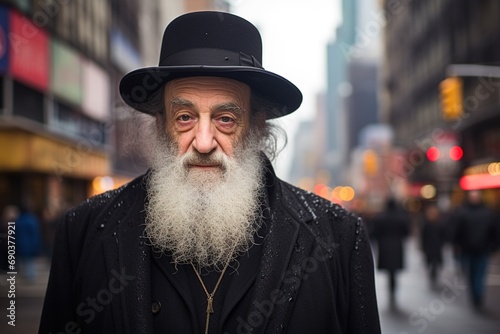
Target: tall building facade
{"x":361,"y":105}
{"x":337,"y":59}
{"x":353,"y":60}
{"x":307,"y":166}
{"x":423,"y":41}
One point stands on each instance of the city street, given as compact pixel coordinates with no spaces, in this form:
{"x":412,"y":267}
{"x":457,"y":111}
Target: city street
{"x":420,"y":309}
{"x":442,"y":310}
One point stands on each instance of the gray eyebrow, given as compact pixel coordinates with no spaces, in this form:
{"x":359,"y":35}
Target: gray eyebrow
{"x":180,"y":103}
{"x":229,"y":106}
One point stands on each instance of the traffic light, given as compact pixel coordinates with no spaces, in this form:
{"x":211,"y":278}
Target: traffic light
{"x":370,"y":162}
{"x":433,"y":153}
{"x":451,"y":98}
{"x":456,"y":153}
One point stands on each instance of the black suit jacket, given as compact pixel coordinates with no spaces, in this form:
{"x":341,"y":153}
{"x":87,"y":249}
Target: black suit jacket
{"x":316,"y":273}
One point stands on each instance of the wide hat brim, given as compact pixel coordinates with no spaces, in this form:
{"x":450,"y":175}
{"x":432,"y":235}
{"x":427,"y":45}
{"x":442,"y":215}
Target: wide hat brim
{"x":217,"y":44}
{"x":138,"y":87}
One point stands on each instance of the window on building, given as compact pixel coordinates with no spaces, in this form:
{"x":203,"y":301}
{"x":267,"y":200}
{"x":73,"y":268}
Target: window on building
{"x":72,"y":123}
{"x":28,"y":103}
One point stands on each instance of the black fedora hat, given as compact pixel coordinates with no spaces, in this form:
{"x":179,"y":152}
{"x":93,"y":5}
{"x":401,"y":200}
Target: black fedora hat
{"x":210,"y":44}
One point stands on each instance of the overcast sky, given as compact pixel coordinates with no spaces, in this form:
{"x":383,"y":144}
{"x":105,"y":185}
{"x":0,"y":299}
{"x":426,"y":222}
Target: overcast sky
{"x":295,"y":34}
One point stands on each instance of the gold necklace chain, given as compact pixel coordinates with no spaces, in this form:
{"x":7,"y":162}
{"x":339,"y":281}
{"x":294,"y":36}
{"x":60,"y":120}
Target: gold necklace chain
{"x":210,"y":296}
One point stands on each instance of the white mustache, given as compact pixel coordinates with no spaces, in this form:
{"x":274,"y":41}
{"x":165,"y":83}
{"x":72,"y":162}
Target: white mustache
{"x":205,"y":159}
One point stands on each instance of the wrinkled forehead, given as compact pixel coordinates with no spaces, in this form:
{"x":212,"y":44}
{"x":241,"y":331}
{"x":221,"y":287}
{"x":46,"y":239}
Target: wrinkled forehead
{"x":208,"y":89}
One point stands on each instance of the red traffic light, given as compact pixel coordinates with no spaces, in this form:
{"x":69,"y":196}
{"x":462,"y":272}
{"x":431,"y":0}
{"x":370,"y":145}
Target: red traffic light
{"x":456,"y":153}
{"x":433,"y":153}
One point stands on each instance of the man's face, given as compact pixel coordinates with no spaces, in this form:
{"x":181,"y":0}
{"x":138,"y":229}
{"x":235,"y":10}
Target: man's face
{"x":206,"y":115}
{"x":206,"y":180}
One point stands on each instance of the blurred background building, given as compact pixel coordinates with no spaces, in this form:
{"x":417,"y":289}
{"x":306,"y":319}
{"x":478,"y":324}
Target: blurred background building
{"x":350,"y":105}
{"x":428,"y":72}
{"x":422,"y":43}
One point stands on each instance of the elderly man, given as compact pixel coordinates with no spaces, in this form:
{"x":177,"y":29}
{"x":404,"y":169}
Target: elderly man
{"x":209,"y":240}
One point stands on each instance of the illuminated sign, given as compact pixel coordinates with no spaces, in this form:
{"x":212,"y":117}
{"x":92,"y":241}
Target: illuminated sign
{"x":66,"y":78}
{"x":481,"y":177}
{"x":96,"y":91}
{"x":28,"y":52}
{"x":479,"y":181}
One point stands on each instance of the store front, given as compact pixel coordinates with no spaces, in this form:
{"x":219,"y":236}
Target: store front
{"x":49,"y":172}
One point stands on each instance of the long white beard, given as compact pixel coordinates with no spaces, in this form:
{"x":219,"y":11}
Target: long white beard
{"x":204,"y":217}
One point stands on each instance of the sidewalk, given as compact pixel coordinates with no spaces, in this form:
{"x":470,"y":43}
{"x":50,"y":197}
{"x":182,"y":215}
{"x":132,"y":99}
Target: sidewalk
{"x":442,"y":310}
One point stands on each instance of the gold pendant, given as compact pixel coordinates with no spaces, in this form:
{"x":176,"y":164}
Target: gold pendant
{"x":210,"y":307}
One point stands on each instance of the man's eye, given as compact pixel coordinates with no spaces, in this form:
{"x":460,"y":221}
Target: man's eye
{"x":226,"y":119}
{"x":184,"y":118}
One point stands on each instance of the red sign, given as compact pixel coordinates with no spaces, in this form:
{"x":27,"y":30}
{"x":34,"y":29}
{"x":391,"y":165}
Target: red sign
{"x":29,"y":52}
{"x":479,"y":181}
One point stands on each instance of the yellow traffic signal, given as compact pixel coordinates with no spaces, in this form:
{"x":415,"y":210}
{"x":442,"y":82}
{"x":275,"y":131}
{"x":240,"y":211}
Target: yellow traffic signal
{"x":370,"y":162}
{"x":451,"y":98}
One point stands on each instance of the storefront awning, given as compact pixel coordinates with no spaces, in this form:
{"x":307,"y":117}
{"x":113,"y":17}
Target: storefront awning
{"x":29,"y":152}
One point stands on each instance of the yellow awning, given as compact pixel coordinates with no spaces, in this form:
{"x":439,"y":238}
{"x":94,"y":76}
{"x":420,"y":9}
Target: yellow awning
{"x":29,"y":152}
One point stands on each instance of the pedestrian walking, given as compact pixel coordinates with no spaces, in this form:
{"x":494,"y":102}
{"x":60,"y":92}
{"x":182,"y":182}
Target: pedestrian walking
{"x":390,"y":228}
{"x":29,"y":241}
{"x":476,"y":233}
{"x":432,"y":239}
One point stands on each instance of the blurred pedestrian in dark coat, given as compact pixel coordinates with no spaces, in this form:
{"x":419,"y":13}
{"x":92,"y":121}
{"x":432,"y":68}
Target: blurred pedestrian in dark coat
{"x":390,"y":228}
{"x":432,"y":239}
{"x":28,"y":241}
{"x":476,"y":234}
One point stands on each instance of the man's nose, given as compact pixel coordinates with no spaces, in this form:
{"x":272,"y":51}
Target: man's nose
{"x":204,"y":140}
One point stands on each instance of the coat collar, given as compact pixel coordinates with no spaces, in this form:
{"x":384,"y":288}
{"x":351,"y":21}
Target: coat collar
{"x":284,"y":249}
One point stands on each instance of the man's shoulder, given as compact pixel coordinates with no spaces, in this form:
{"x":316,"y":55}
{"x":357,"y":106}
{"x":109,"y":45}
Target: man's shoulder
{"x":115,"y":197}
{"x":316,"y":207}
{"x":95,"y":219}
{"x":325,"y":220}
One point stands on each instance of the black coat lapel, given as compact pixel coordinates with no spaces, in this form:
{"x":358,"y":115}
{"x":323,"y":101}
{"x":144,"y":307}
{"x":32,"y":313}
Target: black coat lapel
{"x":128,"y":261}
{"x":284,"y":249}
{"x":241,"y":280}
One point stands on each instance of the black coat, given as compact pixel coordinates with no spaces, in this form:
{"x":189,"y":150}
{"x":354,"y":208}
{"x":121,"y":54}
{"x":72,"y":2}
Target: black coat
{"x":476,"y":230}
{"x":390,"y":228}
{"x":316,"y":273}
{"x":432,"y":240}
